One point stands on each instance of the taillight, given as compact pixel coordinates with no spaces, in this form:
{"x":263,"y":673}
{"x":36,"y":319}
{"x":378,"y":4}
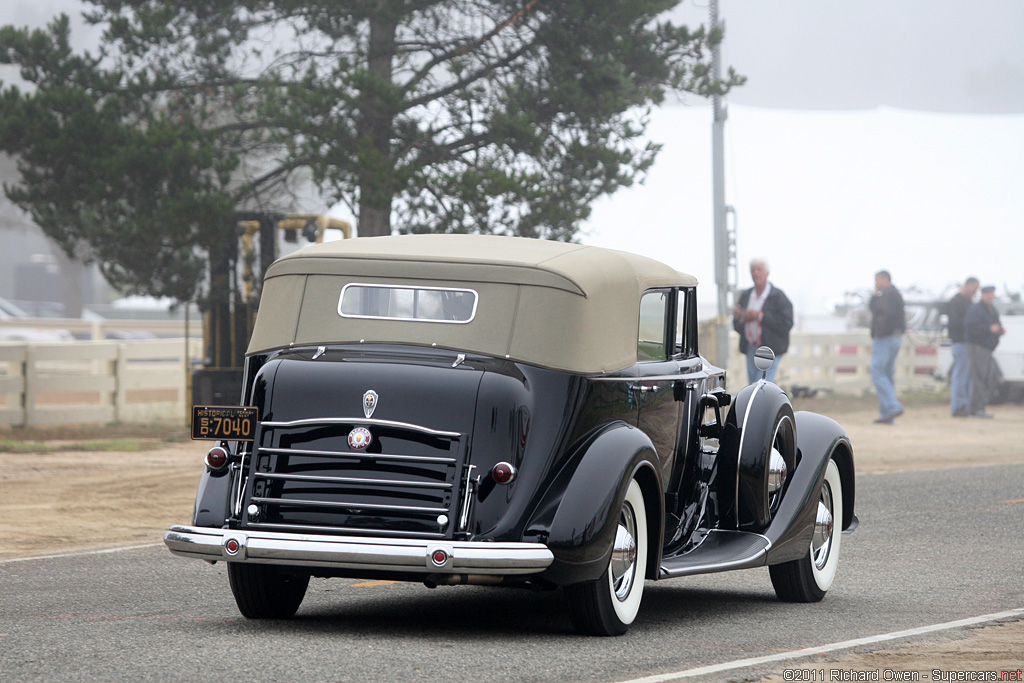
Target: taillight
{"x":217,"y":458}
{"x":503,"y":473}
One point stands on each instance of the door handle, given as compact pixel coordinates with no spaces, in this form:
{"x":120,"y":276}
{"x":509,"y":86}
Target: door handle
{"x":709,"y":430}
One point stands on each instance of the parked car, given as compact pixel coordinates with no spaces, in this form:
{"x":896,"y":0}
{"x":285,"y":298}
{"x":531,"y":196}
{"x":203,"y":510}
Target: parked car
{"x":455,"y":409}
{"x":17,"y":326}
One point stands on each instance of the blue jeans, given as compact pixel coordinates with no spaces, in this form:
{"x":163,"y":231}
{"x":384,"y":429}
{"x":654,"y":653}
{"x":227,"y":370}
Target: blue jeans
{"x":883,"y":372}
{"x":753,"y":374}
{"x":960,"y":379}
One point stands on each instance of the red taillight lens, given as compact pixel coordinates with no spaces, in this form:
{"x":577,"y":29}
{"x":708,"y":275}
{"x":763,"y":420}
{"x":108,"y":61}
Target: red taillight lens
{"x":503,"y":473}
{"x":217,"y":458}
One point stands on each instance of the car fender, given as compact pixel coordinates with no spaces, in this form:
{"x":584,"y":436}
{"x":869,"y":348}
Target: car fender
{"x":583,"y":502}
{"x":746,"y":456}
{"x":213,"y":501}
{"x":819,"y":438}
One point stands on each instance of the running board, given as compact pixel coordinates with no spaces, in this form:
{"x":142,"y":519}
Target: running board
{"x":720,"y":551}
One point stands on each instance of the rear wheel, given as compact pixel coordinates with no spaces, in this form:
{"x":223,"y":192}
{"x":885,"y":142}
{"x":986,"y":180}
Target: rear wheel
{"x":809,"y":578}
{"x":265,"y":591}
{"x":607,"y":606}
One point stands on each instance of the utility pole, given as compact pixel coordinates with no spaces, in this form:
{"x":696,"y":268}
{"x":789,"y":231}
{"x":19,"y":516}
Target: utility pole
{"x":724,"y":246}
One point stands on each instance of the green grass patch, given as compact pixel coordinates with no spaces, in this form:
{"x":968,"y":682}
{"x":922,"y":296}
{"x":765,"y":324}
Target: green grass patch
{"x":115,"y":438}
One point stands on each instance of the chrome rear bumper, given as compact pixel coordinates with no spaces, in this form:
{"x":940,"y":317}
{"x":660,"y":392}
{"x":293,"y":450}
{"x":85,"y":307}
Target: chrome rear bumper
{"x":355,"y":552}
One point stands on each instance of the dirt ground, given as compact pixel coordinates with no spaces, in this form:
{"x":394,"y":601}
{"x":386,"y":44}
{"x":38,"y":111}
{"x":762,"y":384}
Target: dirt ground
{"x":66,"y":500}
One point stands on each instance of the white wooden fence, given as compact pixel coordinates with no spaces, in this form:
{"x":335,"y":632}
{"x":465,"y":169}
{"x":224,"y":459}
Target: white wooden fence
{"x":100,"y":382}
{"x":101,"y":329}
{"x":94,"y":382}
{"x":841,"y":363}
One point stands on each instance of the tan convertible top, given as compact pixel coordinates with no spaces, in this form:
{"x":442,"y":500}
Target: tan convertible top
{"x":557,"y":305}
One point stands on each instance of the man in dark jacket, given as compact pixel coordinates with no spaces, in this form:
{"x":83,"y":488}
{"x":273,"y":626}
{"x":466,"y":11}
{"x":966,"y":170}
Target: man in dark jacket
{"x":888,"y":323}
{"x":982,"y":329}
{"x":960,"y":373}
{"x":763,"y":316}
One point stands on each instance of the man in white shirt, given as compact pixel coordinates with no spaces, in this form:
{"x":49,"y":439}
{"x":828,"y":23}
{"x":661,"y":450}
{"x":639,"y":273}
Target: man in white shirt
{"x":763,"y":316}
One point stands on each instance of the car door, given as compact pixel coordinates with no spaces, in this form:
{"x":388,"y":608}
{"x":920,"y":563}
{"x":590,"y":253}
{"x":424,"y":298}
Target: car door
{"x":654,"y":393}
{"x":698,"y":389}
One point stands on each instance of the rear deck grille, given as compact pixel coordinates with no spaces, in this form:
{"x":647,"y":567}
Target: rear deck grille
{"x":303,"y":476}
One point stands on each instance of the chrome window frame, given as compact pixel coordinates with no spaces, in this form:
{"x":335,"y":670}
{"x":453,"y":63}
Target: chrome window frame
{"x":472,"y":314}
{"x":665,"y":327}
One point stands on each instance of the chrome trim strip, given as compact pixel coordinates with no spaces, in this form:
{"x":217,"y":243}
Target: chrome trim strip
{"x":241,"y":479}
{"x":354,"y":454}
{"x":300,"y":528}
{"x":756,"y":560}
{"x":743,"y":436}
{"x":348,"y":552}
{"x":467,"y":497}
{"x":700,"y":374}
{"x":351,"y":480}
{"x":361,"y":421}
{"x":297,"y":502}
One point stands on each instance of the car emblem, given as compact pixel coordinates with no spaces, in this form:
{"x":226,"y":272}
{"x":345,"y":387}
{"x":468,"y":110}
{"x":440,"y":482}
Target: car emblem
{"x":359,"y":438}
{"x":369,"y":402}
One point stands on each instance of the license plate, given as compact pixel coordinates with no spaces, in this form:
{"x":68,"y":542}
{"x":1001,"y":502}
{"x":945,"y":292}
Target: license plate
{"x":224,"y":422}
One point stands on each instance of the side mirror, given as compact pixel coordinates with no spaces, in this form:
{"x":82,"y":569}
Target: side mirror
{"x":764,"y":359}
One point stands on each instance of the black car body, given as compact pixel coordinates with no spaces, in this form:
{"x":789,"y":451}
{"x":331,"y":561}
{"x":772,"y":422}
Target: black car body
{"x":489,"y":410}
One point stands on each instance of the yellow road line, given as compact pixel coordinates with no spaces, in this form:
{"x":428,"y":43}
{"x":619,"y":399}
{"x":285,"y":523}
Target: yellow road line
{"x":372,"y":584}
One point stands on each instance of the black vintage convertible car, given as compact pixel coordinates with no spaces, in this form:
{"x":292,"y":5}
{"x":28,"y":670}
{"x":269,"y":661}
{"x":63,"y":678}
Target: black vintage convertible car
{"x":455,"y":409}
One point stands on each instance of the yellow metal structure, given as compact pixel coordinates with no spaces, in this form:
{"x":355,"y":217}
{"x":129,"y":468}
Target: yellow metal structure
{"x":228,"y":322}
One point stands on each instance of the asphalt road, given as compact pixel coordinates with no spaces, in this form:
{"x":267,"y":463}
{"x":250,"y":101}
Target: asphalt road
{"x":933,"y":546}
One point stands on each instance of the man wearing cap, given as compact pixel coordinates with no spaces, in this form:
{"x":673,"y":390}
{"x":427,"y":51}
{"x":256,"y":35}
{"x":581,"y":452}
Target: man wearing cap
{"x":960,"y":374}
{"x":982,"y":329}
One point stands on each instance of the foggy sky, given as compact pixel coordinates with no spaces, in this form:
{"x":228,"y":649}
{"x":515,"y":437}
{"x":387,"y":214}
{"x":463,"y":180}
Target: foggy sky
{"x":950,"y":57}
{"x":962,"y":56}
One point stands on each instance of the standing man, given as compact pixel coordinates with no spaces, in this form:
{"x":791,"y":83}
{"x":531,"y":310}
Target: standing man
{"x":982,"y":329}
{"x":763,"y":316}
{"x":888,"y":323}
{"x":960,"y":373}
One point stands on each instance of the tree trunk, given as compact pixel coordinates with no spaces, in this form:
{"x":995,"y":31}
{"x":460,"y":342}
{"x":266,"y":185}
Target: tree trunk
{"x":72,"y":281}
{"x":377,"y":114}
{"x":374,"y":221}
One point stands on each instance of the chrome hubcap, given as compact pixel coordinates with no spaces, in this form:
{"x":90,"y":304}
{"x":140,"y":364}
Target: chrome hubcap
{"x":821,"y":542}
{"x":777,"y":473}
{"x":778,"y":470}
{"x":624,"y":554}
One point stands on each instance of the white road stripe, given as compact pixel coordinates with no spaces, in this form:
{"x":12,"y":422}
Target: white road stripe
{"x":811,"y":651}
{"x":81,"y":553}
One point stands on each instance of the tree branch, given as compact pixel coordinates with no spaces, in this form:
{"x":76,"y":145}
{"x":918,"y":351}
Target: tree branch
{"x":464,"y":81}
{"x":467,"y":47}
